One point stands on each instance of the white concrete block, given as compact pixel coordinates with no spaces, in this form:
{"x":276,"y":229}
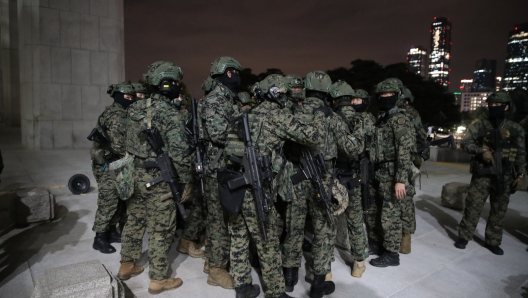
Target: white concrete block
{"x":113,"y":9}
{"x":80,"y":67}
{"x":99,"y":7}
{"x":109,"y":35}
{"x":81,"y":6}
{"x":44,"y":3}
{"x":81,"y":129}
{"x":60,"y":4}
{"x":89,"y":32}
{"x":114,"y":67}
{"x":62,"y":134}
{"x":99,"y":68}
{"x":60,"y":65}
{"x":50,"y":102}
{"x":24,"y":29}
{"x":45,"y":64}
{"x":105,"y":99}
{"x":26,"y":102}
{"x":71,"y":102}
{"x":28,"y":134}
{"x":26,"y":63}
{"x":70,"y":23}
{"x":49,"y":27}
{"x":46,"y":134}
{"x":90,"y":102}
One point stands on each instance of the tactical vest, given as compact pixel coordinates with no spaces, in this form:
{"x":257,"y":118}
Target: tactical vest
{"x":383,"y":147}
{"x":139,"y":117}
{"x":509,"y":144}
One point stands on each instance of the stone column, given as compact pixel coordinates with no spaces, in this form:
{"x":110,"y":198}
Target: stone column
{"x":70,"y":51}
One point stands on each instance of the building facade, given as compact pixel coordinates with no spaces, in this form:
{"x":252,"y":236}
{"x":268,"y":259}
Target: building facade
{"x":440,"y":54}
{"x":417,"y":60}
{"x":516,"y":68}
{"x":470,"y":101}
{"x":484,"y":75}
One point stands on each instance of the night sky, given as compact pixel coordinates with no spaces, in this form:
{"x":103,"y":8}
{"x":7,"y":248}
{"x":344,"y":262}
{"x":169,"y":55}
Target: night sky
{"x":301,"y":36}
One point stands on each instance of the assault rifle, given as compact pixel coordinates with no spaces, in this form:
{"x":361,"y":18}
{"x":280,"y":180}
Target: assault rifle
{"x":164,"y":163}
{"x":496,"y":163}
{"x":314,"y":169}
{"x":365,"y":176}
{"x":255,"y":172}
{"x":193,"y":133}
{"x":98,"y":137}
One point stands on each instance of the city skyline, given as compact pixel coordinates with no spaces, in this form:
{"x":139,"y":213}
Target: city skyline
{"x":301,"y":38}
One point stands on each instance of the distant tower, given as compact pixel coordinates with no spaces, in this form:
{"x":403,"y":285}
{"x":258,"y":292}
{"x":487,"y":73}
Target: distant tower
{"x":484,"y":75}
{"x":440,"y":51}
{"x":416,"y":57}
{"x":516,"y":68}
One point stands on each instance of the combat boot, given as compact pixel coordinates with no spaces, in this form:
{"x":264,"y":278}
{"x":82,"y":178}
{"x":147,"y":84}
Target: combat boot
{"x":206,"y":266}
{"x":405,"y":245}
{"x":291,"y":277}
{"x":158,"y":286}
{"x":218,"y":276}
{"x":321,"y":287}
{"x":190,"y":248}
{"x":310,"y":275}
{"x":128,"y":269}
{"x":358,"y":268}
{"x":247,"y":291}
{"x":101,"y":243}
{"x":284,"y":295}
{"x":461,"y":243}
{"x":113,"y":235}
{"x":495,"y":249}
{"x":375,"y":248}
{"x":388,"y":258}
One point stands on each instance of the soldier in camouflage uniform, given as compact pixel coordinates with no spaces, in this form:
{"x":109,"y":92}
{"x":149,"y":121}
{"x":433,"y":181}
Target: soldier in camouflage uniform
{"x":150,"y":208}
{"x":479,"y":141}
{"x":141,"y":90}
{"x":214,"y":112}
{"x":244,"y":102}
{"x":111,"y":125}
{"x":348,"y":171}
{"x":391,"y":153}
{"x":271,"y":124}
{"x":337,"y":137}
{"x":408,"y":209}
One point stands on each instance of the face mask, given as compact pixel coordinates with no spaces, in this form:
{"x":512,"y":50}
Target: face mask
{"x":297,"y":95}
{"x":120,"y":99}
{"x":173,"y":92}
{"x":360,"y":108}
{"x":387,"y":103}
{"x":232,"y":82}
{"x":497,"y":114}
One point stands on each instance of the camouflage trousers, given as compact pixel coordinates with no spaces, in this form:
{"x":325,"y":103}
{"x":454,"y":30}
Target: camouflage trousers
{"x":146,"y":210}
{"x":195,"y":222}
{"x":217,"y":241}
{"x":478,"y":192}
{"x":408,"y":216}
{"x":295,"y":221}
{"x":373,"y":215}
{"x":356,"y":231}
{"x":246,"y":226}
{"x":110,"y":209}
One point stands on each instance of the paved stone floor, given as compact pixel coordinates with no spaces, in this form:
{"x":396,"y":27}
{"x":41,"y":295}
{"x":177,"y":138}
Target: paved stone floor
{"x":435,"y":268}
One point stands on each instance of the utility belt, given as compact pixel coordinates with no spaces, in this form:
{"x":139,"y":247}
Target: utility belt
{"x":387,"y":166}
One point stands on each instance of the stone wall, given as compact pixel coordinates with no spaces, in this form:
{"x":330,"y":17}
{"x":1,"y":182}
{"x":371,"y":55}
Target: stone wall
{"x":70,"y":51}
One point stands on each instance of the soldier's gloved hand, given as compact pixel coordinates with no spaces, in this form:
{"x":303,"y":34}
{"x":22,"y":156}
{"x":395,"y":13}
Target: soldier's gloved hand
{"x":505,"y":133}
{"x":340,"y":198}
{"x":486,"y":154}
{"x":187,"y":192}
{"x":324,"y":109}
{"x":517,"y":184}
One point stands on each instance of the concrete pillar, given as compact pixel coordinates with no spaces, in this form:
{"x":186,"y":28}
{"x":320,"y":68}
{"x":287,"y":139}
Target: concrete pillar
{"x":70,"y":51}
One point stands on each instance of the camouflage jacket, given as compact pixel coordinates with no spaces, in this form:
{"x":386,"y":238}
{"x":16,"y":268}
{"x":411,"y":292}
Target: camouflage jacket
{"x":337,"y":136}
{"x":214,"y":113}
{"x":524,"y":124}
{"x":168,"y":120}
{"x":111,"y":123}
{"x":392,"y":145}
{"x":513,"y":139}
{"x":415,"y":118}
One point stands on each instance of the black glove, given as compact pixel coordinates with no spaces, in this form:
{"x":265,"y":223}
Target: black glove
{"x":326,"y":110}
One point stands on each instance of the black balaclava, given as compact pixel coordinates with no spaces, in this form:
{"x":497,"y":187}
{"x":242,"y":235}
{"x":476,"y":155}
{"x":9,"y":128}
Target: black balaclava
{"x":120,"y":99}
{"x":341,"y":102}
{"x":233,"y":82}
{"x":172,"y":93}
{"x":497,"y":114}
{"x":387,"y":103}
{"x":362,"y":107}
{"x":318,"y":94}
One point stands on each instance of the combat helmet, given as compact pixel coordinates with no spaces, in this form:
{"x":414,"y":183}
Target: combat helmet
{"x":360,"y":93}
{"x":406,"y":94}
{"x":273,"y":88}
{"x":221,"y":64}
{"x":293,"y":80}
{"x":387,"y":86}
{"x":341,"y":88}
{"x":499,"y":96}
{"x":244,"y":98}
{"x":317,"y":81}
{"x":398,"y":82}
{"x":162,"y":70}
{"x":208,"y":85}
{"x":124,"y":88}
{"x":139,"y":88}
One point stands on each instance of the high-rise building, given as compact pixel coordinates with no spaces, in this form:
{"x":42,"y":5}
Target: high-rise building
{"x":465,"y":85}
{"x":416,"y":57}
{"x":516,"y":68}
{"x":470,"y":101}
{"x":484,"y":75}
{"x":440,"y":54}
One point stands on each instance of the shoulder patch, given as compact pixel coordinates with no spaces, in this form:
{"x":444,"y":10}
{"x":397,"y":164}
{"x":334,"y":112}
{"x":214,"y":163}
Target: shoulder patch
{"x":401,"y":120}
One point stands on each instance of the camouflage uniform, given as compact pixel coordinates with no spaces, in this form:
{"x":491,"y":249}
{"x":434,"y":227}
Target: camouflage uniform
{"x":112,"y":121}
{"x":513,"y":163}
{"x":270,"y":126}
{"x":147,"y":210}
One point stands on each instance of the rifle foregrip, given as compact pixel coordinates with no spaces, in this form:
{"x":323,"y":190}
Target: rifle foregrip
{"x":298,"y":178}
{"x":181,"y":208}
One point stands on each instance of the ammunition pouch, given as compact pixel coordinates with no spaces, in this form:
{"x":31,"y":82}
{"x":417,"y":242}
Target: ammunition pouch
{"x":230,"y":199}
{"x":387,"y":166}
{"x":122,"y":170}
